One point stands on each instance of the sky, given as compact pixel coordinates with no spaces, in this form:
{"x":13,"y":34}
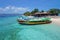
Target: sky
{"x":21,"y":6}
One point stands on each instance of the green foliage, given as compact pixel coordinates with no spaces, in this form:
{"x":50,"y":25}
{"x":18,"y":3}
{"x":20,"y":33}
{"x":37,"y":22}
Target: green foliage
{"x":42,"y":11}
{"x":54,"y":11}
{"x":30,"y":13}
{"x":27,"y":13}
{"x":34,"y":11}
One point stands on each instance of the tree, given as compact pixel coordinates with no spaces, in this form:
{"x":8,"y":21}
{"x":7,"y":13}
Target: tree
{"x":34,"y":11}
{"x":27,"y":13}
{"x":42,"y":11}
{"x":54,"y":11}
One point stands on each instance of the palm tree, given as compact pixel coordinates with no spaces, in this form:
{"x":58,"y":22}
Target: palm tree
{"x":31,"y":13}
{"x":54,"y":11}
{"x":42,"y":11}
{"x":27,"y":13}
{"x":34,"y":11}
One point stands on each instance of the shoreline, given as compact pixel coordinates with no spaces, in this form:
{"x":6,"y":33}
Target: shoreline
{"x":56,"y":20}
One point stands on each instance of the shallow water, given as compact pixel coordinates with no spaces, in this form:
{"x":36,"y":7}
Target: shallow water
{"x":11,"y":30}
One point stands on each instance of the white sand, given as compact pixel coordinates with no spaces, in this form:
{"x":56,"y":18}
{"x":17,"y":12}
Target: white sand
{"x":56,"y":20}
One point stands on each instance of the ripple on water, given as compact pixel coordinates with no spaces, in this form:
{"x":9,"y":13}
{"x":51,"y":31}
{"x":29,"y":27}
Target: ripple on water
{"x":11,"y":30}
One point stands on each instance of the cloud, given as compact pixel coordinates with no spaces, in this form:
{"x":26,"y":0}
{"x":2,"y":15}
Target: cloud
{"x":13,"y":9}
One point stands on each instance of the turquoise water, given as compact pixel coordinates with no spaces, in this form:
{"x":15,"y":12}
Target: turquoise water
{"x":11,"y":30}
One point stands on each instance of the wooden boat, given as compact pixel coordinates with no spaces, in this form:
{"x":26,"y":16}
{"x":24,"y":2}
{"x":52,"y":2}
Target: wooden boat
{"x":33,"y":22}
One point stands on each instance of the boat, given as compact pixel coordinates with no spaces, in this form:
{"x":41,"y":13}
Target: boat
{"x":34,"y":21}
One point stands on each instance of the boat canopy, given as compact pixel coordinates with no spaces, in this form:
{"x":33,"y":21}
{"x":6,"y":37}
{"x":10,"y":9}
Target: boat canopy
{"x":22,"y":17}
{"x":31,"y":18}
{"x":40,"y":19}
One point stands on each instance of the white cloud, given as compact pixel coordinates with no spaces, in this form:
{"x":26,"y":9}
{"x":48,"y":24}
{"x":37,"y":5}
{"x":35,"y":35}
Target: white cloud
{"x":13,"y":9}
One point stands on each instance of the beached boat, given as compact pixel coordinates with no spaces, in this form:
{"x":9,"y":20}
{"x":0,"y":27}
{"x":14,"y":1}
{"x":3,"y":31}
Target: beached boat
{"x":31,"y":21}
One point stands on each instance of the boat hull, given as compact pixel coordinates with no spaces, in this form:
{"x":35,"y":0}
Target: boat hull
{"x":33,"y":22}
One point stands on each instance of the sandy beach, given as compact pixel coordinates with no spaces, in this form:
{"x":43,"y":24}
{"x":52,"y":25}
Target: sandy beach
{"x":56,"y":20}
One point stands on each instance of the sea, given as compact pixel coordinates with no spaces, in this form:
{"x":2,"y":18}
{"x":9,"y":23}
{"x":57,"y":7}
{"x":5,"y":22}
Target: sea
{"x":10,"y":29}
